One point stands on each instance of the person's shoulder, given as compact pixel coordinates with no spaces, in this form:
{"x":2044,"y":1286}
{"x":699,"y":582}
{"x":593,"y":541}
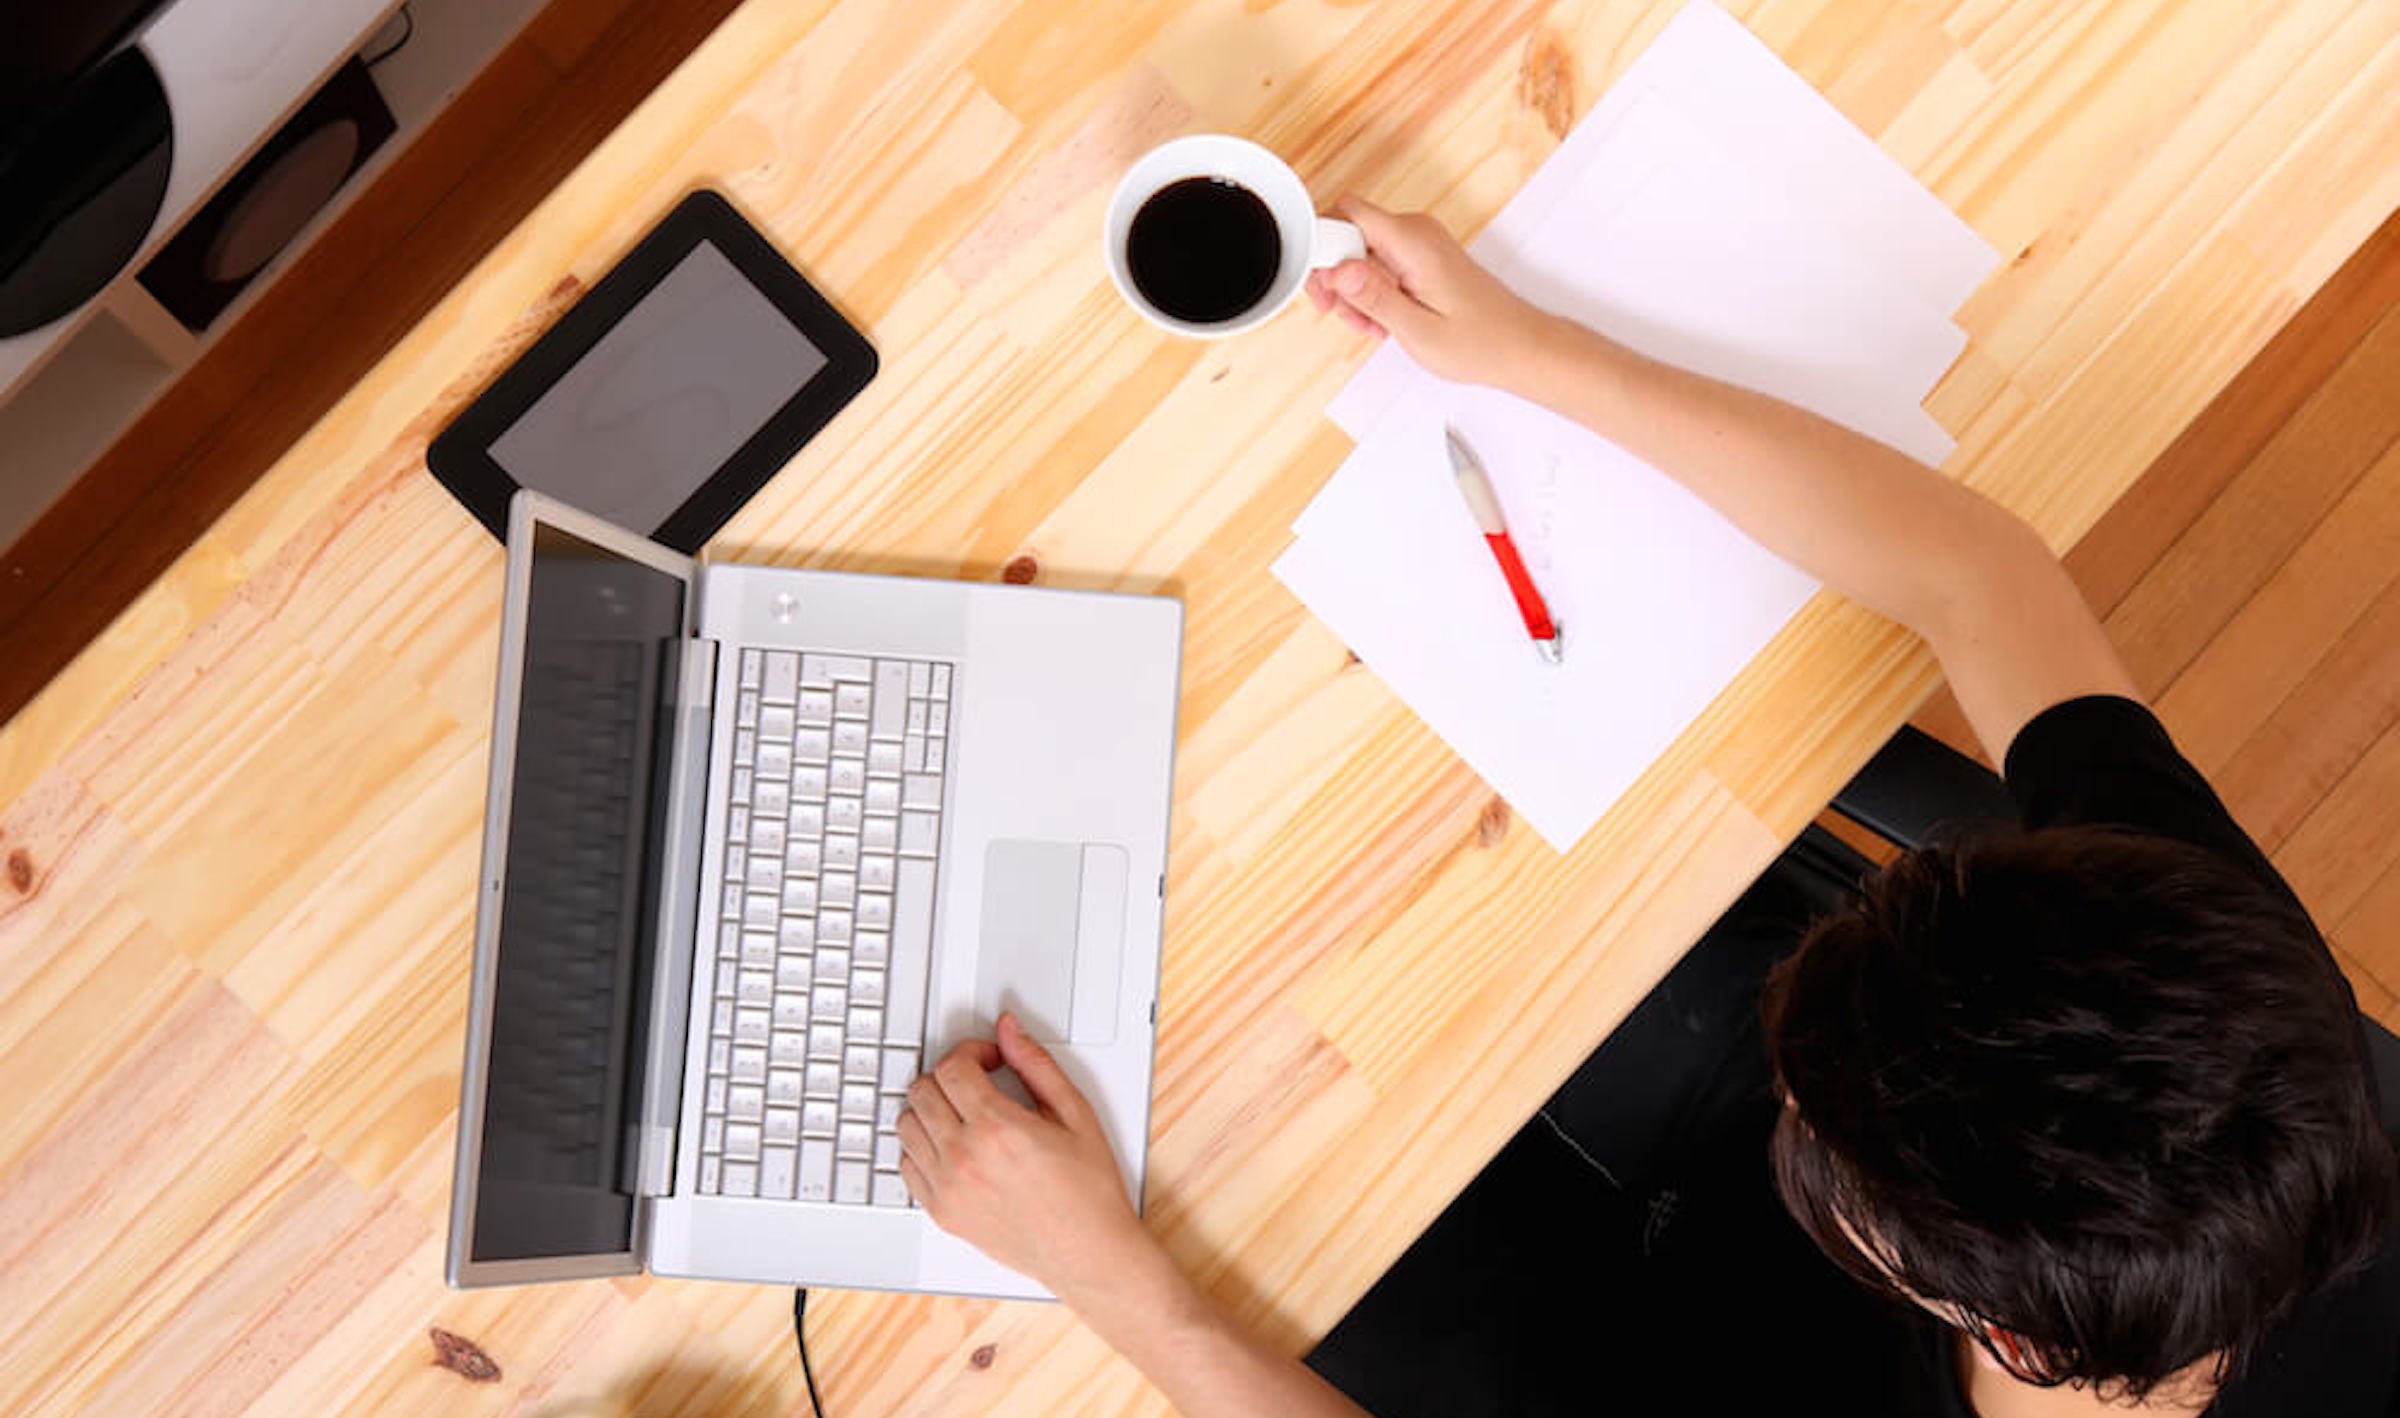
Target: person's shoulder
{"x":2105,"y":760}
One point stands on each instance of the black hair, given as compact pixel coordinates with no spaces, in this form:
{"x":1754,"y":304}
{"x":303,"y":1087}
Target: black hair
{"x":2104,"y":1092}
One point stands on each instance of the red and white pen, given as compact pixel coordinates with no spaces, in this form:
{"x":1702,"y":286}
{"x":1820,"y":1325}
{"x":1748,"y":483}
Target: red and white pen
{"x":1477,"y":490}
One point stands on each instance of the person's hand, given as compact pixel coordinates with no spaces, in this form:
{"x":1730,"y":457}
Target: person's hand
{"x":1419,"y":286}
{"x":1036,"y":1189}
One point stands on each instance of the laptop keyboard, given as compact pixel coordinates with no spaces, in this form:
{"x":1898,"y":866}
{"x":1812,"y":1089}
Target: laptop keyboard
{"x":818,"y":1016}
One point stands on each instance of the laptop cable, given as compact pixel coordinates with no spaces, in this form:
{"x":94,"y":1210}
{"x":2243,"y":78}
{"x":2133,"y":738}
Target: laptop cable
{"x":816,"y":1407}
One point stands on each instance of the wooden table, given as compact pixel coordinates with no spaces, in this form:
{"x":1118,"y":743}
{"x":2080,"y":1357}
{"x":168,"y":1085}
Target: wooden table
{"x":242,"y":827}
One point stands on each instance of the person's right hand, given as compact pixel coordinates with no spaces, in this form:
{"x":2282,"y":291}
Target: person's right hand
{"x":1419,"y":286}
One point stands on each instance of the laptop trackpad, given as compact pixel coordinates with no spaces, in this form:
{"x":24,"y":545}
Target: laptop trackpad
{"x":1053,"y":939}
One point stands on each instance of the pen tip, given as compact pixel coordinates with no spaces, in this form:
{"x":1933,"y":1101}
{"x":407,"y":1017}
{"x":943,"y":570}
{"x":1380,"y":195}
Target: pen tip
{"x":1553,"y":649}
{"x":1460,"y":458}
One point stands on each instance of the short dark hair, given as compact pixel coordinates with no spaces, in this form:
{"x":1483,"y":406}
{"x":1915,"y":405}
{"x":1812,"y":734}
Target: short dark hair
{"x":2104,"y":1090}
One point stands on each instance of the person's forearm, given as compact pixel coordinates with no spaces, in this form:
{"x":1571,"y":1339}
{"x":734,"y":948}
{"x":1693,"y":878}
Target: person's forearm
{"x":1865,"y":519}
{"x":1206,"y":1365}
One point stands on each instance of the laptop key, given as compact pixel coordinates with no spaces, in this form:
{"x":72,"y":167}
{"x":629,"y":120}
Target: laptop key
{"x":850,"y":701}
{"x":783,"y":1086}
{"x":887,"y":1152}
{"x":890,"y":1189}
{"x":782,"y":678}
{"x":741,"y":1179}
{"x":741,"y":1141}
{"x":899,"y":1069}
{"x":850,"y":1183}
{"x":782,"y":1128}
{"x":824,"y":1080}
{"x":816,"y":1170}
{"x":912,"y":947}
{"x":816,"y":706}
{"x":818,"y":1118}
{"x":775,"y":1168}
{"x":891,"y":697}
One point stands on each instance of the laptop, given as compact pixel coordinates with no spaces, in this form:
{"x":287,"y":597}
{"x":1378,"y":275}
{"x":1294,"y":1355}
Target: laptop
{"x":760,"y":846}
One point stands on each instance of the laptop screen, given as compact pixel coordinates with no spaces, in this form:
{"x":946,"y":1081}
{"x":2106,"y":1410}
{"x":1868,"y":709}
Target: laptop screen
{"x":569,"y":1005}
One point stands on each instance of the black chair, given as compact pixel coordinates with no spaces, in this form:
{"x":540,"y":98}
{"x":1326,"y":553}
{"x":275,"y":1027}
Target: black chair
{"x":1468,"y":1322}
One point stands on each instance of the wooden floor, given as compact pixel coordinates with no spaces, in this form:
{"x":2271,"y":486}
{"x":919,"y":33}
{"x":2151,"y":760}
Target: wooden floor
{"x":579,"y":67}
{"x":2252,"y":581}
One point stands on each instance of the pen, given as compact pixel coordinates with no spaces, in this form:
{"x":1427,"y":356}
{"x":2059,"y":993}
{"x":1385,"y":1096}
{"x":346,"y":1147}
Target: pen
{"x":1477,"y":490}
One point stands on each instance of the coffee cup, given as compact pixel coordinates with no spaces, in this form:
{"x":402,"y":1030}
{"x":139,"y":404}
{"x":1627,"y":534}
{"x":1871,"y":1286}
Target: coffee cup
{"x":1211,"y":235}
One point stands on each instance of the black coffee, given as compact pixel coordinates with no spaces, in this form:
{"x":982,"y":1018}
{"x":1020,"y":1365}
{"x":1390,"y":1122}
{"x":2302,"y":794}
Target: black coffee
{"x":1203,"y":250}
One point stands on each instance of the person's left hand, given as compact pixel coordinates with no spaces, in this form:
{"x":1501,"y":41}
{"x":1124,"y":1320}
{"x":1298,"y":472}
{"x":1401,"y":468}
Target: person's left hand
{"x":1036,"y":1189}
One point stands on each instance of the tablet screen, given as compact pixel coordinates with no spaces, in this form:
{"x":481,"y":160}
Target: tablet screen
{"x":664,"y":398}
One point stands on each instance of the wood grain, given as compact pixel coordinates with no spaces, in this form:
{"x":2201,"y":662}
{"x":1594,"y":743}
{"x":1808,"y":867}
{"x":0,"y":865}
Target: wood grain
{"x":248,"y":811}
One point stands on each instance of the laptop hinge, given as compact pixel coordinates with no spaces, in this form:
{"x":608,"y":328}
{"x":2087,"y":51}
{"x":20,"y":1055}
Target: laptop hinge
{"x":678,"y":915}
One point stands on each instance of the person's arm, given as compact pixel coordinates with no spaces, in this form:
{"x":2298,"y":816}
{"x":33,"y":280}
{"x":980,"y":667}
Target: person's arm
{"x":1038,"y":1190}
{"x":2008,"y":625}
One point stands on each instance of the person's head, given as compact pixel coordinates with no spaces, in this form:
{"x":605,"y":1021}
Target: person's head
{"x":2099,"y":1099}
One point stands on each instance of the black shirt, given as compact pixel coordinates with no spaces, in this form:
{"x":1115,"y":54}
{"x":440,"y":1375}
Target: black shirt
{"x":1627,"y":1253}
{"x":2107,"y":761}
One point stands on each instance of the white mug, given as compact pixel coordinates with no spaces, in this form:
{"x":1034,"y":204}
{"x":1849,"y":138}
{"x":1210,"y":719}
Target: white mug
{"x":1309,"y":242}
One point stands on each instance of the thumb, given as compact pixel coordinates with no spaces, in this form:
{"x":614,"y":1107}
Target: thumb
{"x":1044,"y":1079}
{"x":1374,"y":292}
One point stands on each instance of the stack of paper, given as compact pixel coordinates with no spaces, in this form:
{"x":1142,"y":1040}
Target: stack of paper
{"x":1711,"y":210}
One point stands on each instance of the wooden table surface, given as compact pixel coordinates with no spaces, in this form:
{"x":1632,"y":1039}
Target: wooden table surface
{"x":241,"y":831}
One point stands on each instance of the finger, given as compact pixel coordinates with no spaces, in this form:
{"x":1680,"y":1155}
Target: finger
{"x":920,"y":1186}
{"x":1389,"y":237}
{"x":966,"y":1081}
{"x":1371,"y":290}
{"x":915,"y":1140}
{"x":983,"y":1053}
{"x":1318,"y":296}
{"x":1361,"y":323}
{"x":1044,"y":1079}
{"x":933,"y":1109}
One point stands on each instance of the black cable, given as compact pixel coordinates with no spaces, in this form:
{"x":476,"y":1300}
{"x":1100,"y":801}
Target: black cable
{"x":800,"y":1338}
{"x":408,"y":18}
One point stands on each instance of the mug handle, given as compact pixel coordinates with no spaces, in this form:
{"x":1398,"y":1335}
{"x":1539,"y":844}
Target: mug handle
{"x":1336,"y":241}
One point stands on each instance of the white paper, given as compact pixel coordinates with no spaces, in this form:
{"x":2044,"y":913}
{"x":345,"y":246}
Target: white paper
{"x":1659,"y":600}
{"x":1811,"y":266}
{"x":1669,"y":245}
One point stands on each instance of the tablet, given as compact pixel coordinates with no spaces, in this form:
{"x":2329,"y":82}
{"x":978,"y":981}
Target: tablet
{"x":681,"y":382}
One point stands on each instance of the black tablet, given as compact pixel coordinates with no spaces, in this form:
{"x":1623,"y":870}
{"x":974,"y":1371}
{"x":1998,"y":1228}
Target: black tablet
{"x":681,"y":382}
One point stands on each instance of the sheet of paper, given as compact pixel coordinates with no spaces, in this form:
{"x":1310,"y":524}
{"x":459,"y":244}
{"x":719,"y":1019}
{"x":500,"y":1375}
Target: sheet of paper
{"x":1669,"y":245}
{"x":1793,"y":151}
{"x":1660,"y":601}
{"x":1712,"y":210}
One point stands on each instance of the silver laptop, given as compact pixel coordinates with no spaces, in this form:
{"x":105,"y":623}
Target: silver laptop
{"x":760,"y":846}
